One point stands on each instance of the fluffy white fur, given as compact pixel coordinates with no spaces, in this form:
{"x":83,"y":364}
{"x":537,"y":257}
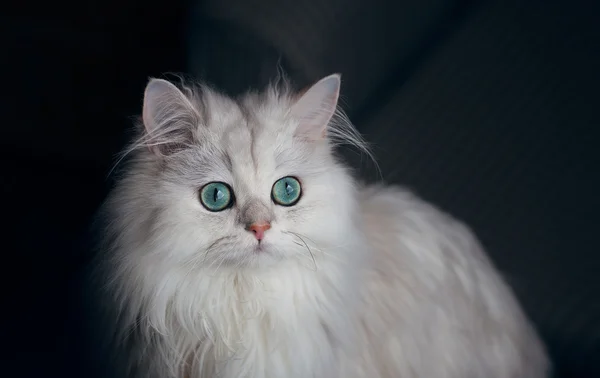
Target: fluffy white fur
{"x":350,"y":282}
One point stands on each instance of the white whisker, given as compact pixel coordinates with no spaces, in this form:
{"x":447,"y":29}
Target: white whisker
{"x":305,"y":245}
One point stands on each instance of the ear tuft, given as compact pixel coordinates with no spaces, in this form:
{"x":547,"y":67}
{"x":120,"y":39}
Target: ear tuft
{"x":169,"y":117}
{"x":316,"y":107}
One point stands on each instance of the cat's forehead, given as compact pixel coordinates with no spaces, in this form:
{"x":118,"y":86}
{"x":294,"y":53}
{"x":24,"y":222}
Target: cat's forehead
{"x":255,"y":142}
{"x":248,"y":135}
{"x":252,"y":112}
{"x":252,"y":124}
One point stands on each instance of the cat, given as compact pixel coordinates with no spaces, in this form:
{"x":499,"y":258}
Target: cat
{"x":236,"y":244}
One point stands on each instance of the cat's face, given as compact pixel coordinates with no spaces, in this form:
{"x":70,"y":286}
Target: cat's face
{"x":249,"y":183}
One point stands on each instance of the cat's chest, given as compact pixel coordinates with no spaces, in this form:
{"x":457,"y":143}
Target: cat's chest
{"x":270,"y":333}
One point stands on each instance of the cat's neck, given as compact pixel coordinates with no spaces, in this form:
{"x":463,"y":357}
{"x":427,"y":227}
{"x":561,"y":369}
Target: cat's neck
{"x":228,"y":311}
{"x":230,"y":296}
{"x":291,"y":280}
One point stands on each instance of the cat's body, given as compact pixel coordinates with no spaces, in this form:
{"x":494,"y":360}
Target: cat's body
{"x":348,"y":281}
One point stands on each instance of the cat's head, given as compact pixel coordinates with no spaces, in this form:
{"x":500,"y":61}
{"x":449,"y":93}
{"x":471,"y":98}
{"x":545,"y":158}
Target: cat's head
{"x":244,"y":183}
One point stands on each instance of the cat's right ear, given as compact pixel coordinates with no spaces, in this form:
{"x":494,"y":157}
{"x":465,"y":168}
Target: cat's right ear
{"x":169,"y":118}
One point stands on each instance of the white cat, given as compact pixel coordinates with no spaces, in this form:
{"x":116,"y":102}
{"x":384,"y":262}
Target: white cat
{"x":238,"y":246}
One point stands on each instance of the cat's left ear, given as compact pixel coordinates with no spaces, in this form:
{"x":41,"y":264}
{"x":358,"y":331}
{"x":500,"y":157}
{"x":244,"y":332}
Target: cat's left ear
{"x":316,"y":106}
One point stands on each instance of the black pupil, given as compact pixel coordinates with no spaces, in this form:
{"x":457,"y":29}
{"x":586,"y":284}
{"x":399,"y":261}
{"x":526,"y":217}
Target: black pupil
{"x":288,"y":189}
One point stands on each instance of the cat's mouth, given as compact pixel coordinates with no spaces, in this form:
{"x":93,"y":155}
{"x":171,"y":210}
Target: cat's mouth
{"x":260,"y":247}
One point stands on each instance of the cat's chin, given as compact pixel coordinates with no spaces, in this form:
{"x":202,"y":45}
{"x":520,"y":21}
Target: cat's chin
{"x":257,"y":256}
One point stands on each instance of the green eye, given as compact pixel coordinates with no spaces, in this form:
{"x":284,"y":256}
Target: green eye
{"x":286,"y":191}
{"x":216,"y":196}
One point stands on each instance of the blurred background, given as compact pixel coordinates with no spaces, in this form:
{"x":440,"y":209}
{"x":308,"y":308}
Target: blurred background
{"x":489,"y":109}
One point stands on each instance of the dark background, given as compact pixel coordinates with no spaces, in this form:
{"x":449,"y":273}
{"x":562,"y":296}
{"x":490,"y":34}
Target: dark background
{"x":489,"y":109}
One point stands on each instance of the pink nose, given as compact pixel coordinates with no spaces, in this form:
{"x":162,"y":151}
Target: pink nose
{"x":259,"y":229}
